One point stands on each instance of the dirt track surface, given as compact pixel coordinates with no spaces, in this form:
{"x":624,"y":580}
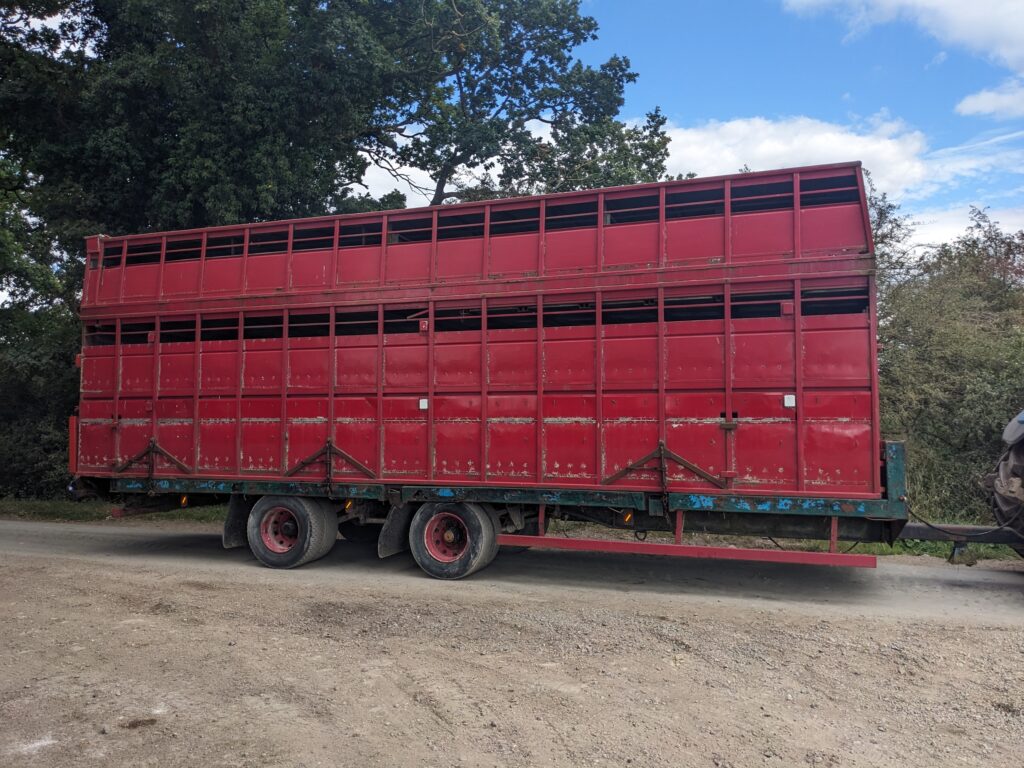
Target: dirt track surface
{"x":150,"y":645}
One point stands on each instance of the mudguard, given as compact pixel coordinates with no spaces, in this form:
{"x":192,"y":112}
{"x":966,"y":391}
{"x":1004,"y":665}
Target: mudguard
{"x":394,"y":537}
{"x":239,"y":507}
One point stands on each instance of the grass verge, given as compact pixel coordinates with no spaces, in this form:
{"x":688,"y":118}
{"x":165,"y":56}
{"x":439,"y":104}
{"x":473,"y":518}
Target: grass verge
{"x":93,"y":511}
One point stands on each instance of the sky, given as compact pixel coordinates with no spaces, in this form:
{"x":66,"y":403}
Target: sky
{"x":929,"y":94}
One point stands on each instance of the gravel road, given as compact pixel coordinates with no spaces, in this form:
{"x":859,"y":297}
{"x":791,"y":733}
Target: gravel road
{"x":147,"y":644}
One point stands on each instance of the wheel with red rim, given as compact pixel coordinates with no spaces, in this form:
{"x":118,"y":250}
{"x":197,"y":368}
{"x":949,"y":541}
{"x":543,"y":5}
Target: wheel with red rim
{"x":450,"y":541}
{"x":288,"y":531}
{"x":279,"y":530}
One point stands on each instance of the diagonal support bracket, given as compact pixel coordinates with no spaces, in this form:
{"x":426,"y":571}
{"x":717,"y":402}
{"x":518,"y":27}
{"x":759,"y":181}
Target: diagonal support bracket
{"x":663,"y":455}
{"x":149,"y":453}
{"x":326,"y":455}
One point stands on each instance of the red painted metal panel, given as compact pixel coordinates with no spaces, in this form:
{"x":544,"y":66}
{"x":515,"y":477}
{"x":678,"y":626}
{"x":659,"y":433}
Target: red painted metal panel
{"x":174,"y":433}
{"x":357,"y":368}
{"x":309,"y":365}
{"x":261,"y":435}
{"x":762,"y":234}
{"x":630,"y":431}
{"x":99,"y":368}
{"x":408,"y":263}
{"x":266,"y":274}
{"x":306,"y":434}
{"x":217,"y":425}
{"x":696,"y":241}
{"x":358,"y":266}
{"x":631,"y":244}
{"x":96,"y":426}
{"x":181,"y":279}
{"x":405,"y":367}
{"x":356,"y":433}
{"x":569,"y":453}
{"x":134,"y":430}
{"x":460,"y":259}
{"x":512,"y":437}
{"x":573,"y":249}
{"x":457,"y":438}
{"x":703,"y":326}
{"x":220,"y":276}
{"x":73,"y":445}
{"x":514,"y":254}
{"x":405,"y":439}
{"x":763,"y":353}
{"x":512,"y":359}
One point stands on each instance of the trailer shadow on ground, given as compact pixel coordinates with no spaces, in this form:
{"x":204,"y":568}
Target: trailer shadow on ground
{"x":954,"y":588}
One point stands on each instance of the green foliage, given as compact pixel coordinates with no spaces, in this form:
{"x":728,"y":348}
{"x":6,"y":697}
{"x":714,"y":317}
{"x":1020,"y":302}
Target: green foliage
{"x":509,"y":73}
{"x":39,"y":385}
{"x":951,"y":358}
{"x":127,"y":116}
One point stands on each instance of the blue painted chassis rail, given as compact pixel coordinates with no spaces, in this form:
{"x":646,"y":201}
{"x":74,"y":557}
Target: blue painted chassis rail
{"x":890,"y":507}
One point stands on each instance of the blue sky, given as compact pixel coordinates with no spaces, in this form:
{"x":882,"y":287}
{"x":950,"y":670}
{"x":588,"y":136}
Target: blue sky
{"x":929,"y":94}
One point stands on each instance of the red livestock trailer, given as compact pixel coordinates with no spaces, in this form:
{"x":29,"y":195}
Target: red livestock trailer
{"x":687,"y":356}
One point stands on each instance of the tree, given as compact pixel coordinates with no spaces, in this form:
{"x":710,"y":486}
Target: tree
{"x":578,"y":156}
{"x":951,"y":356}
{"x":509,"y":73}
{"x":167,"y":114}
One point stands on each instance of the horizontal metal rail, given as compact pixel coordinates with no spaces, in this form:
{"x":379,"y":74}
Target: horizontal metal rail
{"x":976,"y":534}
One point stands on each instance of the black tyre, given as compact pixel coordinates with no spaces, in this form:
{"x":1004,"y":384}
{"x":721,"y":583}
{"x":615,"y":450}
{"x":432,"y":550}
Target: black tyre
{"x":360,"y":534}
{"x":289,"y":531}
{"x":450,"y":541}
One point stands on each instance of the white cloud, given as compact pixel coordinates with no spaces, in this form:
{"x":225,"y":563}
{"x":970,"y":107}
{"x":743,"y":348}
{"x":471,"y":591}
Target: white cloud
{"x":899,"y":158}
{"x":937,"y":60}
{"x":894,"y":153}
{"x":1005,"y":101}
{"x":940,"y":225}
{"x":992,"y":28}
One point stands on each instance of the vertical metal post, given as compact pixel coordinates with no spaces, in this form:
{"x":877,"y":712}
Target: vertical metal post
{"x":288,"y":259}
{"x":332,"y":375}
{"x":730,"y":434}
{"x":485,"y":267}
{"x":332,"y":282}
{"x":798,"y":372}
{"x":662,"y":367}
{"x":433,"y":247}
{"x":678,"y":528}
{"x":238,"y":385}
{"x":541,"y":522}
{"x":154,"y":391}
{"x":662,"y":228}
{"x":431,"y":448}
{"x":600,"y":232}
{"x":380,"y":385}
{"x":285,"y":359}
{"x":484,"y":393}
{"x":197,"y":372}
{"x":160,"y":271}
{"x":833,"y":536}
{"x":599,"y":381}
{"x":727,"y":220}
{"x":540,"y":387}
{"x":542,"y":246}
{"x":124,"y":271}
{"x":383,"y":249}
{"x":876,"y":427}
{"x":245,"y":261}
{"x":117,"y":392}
